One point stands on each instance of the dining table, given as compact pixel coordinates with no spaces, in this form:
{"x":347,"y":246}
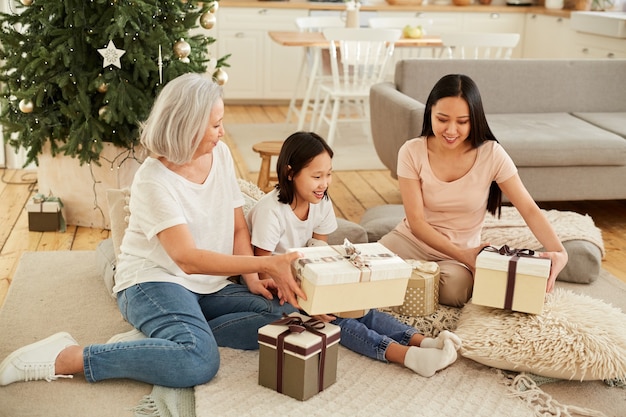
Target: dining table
{"x":315,"y":41}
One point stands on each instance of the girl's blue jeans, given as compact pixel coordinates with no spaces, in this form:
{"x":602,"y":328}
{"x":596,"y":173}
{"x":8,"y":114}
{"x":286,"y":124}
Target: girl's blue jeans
{"x":371,"y":334}
{"x":184,"y":331}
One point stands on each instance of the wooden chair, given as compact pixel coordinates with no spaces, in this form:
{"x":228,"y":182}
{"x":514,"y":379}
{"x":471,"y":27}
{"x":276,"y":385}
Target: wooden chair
{"x":310,"y":24}
{"x":364,"y":54}
{"x":479,"y":45}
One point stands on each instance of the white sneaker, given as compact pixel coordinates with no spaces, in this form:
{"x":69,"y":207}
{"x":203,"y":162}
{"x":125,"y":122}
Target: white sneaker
{"x":35,"y":361}
{"x":127,"y":336}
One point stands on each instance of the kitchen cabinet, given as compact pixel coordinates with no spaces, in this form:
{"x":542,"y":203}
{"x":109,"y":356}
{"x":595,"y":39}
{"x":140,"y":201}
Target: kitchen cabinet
{"x":595,"y":46}
{"x":547,"y":37}
{"x":259,"y":68}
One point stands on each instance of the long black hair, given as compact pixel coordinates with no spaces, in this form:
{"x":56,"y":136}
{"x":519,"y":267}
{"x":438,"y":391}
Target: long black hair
{"x":297,"y":152}
{"x":459,"y":85}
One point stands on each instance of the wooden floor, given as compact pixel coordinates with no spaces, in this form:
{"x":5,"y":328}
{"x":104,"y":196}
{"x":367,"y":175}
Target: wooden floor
{"x":352,"y":193}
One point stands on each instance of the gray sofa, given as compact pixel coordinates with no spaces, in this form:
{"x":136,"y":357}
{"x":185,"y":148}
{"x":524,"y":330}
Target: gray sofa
{"x":562,"y":121}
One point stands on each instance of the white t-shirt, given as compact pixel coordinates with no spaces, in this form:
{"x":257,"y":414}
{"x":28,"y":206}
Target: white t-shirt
{"x":160,"y":199}
{"x":275,"y":227}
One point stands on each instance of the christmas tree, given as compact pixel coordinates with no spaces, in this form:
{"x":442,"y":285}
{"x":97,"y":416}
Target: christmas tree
{"x":77,"y":73}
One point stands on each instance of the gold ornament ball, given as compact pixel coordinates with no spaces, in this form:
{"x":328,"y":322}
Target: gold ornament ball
{"x":103,"y":88}
{"x":27,"y":2}
{"x":26,"y":106}
{"x":207,"y":20}
{"x":182,"y":49}
{"x":214,"y":6}
{"x":102,"y":111}
{"x":220,"y":76}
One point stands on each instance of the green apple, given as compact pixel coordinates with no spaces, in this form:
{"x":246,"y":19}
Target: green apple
{"x":413,"y":32}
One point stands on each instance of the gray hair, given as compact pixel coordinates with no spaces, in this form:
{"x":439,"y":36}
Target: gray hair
{"x":179,"y":117}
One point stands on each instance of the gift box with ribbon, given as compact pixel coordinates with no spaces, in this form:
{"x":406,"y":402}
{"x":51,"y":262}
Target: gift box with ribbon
{"x":350,"y":277}
{"x":422,"y":292}
{"x":511,"y":279}
{"x":44,"y":214}
{"x":298,"y":356}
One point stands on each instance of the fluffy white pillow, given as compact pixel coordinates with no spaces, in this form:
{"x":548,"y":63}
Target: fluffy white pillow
{"x":576,"y":337}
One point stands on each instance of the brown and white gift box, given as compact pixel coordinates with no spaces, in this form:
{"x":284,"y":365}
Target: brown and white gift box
{"x":511,"y":279}
{"x":44,"y":214}
{"x":298,"y":356}
{"x":335,"y":280}
{"x":422,"y":292}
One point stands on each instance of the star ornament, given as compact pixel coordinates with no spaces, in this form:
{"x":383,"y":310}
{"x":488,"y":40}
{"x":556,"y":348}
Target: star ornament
{"x":111,"y":55}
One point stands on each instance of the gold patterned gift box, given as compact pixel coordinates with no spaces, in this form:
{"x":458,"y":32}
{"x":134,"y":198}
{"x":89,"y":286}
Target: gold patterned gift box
{"x":511,"y":279}
{"x":422,"y":292}
{"x":347,"y":278}
{"x":298,"y":356}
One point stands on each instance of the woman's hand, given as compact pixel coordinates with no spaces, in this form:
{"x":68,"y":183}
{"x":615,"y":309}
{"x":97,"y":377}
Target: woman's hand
{"x":559,"y":260}
{"x":468,"y":256}
{"x":279,"y":268}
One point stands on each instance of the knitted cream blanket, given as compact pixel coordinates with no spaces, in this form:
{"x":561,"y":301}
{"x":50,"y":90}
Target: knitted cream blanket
{"x":511,"y":229}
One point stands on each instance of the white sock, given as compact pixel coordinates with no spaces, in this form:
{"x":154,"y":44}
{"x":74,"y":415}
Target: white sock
{"x":427,"y":361}
{"x":437,"y":343}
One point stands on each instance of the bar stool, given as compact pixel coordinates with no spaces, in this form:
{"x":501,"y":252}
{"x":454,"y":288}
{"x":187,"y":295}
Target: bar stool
{"x":266,"y":150}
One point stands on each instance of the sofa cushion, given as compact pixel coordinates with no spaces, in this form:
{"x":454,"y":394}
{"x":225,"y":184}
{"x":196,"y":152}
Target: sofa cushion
{"x":575,"y":337}
{"x":612,"y":121}
{"x":556,"y":139}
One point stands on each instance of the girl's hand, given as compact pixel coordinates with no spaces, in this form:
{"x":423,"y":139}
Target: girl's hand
{"x":559,"y":260}
{"x":263,"y":287}
{"x":326,"y":318}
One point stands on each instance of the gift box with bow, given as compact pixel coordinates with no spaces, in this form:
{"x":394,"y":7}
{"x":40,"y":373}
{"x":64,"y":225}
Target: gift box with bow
{"x":350,"y":277}
{"x":298,"y":355}
{"x":44,"y":214}
{"x":422,"y":292}
{"x":511,"y":279}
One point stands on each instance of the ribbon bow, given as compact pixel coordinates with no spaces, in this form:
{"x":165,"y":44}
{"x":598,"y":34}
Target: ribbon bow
{"x":354,"y":255}
{"x":506,"y":250}
{"x":295,"y":324}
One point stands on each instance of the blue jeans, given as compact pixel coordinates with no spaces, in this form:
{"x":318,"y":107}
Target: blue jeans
{"x":371,"y":334}
{"x":184,"y":331}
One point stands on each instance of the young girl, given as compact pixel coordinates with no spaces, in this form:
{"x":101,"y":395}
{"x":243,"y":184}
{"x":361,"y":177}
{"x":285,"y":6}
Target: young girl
{"x":299,"y":209}
{"x":449,"y":178}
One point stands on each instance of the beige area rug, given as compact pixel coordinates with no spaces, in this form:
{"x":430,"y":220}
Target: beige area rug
{"x":366,"y":387}
{"x":64,"y":291}
{"x":353,"y":148}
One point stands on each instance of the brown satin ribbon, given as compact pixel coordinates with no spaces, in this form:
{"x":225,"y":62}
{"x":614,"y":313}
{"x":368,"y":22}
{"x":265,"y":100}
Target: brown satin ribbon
{"x":515,"y":254}
{"x":296,"y":325}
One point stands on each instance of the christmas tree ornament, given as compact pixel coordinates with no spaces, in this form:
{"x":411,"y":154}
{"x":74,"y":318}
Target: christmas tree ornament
{"x":26,"y":106}
{"x":208,"y":20}
{"x":220,"y":76}
{"x":102,"y":111}
{"x":102,"y":88}
{"x":111,"y":55}
{"x":27,"y":2}
{"x":213,"y":7}
{"x":182,"y":49}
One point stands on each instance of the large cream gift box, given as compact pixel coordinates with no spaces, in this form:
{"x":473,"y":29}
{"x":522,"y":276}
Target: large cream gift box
{"x":346,"y":278}
{"x":298,"y":355}
{"x":511,"y":279}
{"x":422,"y":292}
